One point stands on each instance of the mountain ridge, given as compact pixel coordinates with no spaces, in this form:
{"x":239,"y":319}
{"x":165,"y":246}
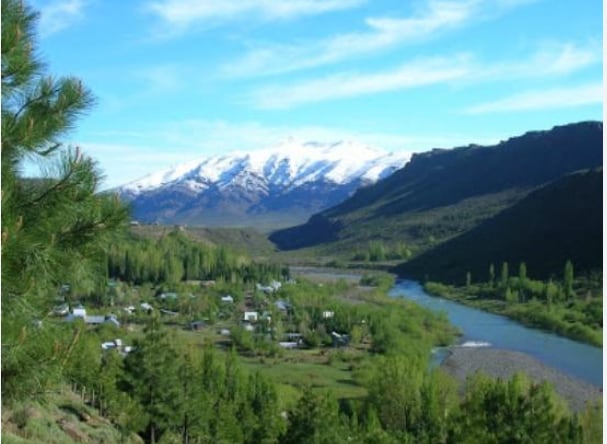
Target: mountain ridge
{"x":441,"y":194}
{"x":293,"y":177}
{"x":555,"y":223}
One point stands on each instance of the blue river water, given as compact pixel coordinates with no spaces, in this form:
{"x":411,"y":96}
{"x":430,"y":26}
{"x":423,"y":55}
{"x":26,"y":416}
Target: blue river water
{"x":480,"y":328}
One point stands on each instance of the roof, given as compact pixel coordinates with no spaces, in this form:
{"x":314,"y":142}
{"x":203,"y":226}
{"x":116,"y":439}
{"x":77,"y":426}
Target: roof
{"x":282,"y":305}
{"x":94,"y":319}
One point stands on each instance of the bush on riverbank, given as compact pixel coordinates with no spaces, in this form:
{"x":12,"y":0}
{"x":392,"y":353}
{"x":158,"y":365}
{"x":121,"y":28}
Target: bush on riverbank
{"x":535,"y":304}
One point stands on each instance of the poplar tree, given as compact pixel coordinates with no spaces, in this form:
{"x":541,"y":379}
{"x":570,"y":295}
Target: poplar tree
{"x":522,"y":272}
{"x":54,"y":228}
{"x":504,"y":274}
{"x":568,"y":279}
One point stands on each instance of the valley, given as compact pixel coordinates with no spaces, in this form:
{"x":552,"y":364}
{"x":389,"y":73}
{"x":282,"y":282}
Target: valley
{"x":320,"y":290}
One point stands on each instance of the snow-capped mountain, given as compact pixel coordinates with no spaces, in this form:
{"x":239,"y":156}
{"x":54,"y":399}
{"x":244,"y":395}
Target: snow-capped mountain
{"x":278,"y":186}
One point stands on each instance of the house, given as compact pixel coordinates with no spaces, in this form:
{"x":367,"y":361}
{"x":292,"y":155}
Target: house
{"x":293,"y":336}
{"x":79,"y":311}
{"x":146,"y":307}
{"x":92,"y":319}
{"x":168,"y":312}
{"x":275,"y":285}
{"x":98,"y":320}
{"x":130,"y":309}
{"x":250,"y":316}
{"x":339,"y":340}
{"x":327,"y":314}
{"x":170,"y":296}
{"x":117,"y":344}
{"x":208,"y":284}
{"x":282,"y":305}
{"x":61,"y":310}
{"x":196,"y":325}
{"x":227,"y":298}
{"x":224,"y":332}
{"x":271,"y":288}
{"x":289,"y":344}
{"x":266,"y":316}
{"x":248,"y":326}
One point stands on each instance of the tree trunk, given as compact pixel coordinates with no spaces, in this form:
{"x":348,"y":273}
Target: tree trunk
{"x":185,"y":433}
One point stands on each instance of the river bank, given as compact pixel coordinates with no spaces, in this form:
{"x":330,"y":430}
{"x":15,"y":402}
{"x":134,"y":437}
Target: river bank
{"x":556,"y":319}
{"x":576,"y":359}
{"x":465,"y":361}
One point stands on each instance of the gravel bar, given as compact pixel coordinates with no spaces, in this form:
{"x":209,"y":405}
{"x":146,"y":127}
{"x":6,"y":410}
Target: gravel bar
{"x":498,"y":363}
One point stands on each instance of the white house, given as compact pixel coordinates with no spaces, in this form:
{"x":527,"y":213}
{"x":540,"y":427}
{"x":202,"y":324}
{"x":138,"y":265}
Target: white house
{"x":327,"y":314}
{"x":271,"y":288}
{"x":248,"y":327}
{"x":101,"y":319}
{"x":79,"y":311}
{"x":250,"y":316}
{"x":227,"y":298}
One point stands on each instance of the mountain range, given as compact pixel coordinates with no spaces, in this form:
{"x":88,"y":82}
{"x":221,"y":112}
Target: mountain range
{"x":279,"y":186}
{"x":442,"y":194}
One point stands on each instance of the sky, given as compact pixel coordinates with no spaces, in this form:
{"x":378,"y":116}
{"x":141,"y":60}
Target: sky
{"x":177,"y":80}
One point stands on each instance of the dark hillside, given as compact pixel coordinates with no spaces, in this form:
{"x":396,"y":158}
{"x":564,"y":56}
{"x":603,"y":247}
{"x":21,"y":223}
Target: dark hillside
{"x":442,"y":178}
{"x":559,"y":222}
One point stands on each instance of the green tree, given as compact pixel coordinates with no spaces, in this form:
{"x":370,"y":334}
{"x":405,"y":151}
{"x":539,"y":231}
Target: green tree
{"x":522,"y":272}
{"x":314,"y":420}
{"x":394,"y":391}
{"x":568,"y":280}
{"x":151,"y":377}
{"x":54,"y":228}
{"x":513,"y":411}
{"x":504,"y":275}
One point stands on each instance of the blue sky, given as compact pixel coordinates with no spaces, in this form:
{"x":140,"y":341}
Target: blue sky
{"x":177,"y":80}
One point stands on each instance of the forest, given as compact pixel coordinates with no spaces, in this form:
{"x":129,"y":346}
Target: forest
{"x":164,"y":370}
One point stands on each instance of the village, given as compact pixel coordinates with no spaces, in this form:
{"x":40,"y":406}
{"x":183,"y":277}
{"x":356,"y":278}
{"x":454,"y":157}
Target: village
{"x":262,"y":320}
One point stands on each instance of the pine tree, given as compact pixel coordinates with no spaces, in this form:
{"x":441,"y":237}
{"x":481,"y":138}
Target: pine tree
{"x":54,"y":228}
{"x":151,"y":377}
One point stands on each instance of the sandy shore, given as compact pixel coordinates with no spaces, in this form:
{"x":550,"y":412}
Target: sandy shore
{"x":464,"y":361}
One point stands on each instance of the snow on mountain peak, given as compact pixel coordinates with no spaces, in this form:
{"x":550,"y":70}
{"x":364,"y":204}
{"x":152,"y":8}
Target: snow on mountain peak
{"x":288,"y":164}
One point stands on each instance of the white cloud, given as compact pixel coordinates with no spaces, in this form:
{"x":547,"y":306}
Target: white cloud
{"x":58,"y":15}
{"x":382,"y":33}
{"x":555,"y":59}
{"x":591,"y":94}
{"x":410,"y":75}
{"x":184,"y":13}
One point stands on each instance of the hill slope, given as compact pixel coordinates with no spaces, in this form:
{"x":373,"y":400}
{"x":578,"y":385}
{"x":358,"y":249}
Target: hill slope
{"x":559,"y":222}
{"x":443,"y":193}
{"x":279,"y":186}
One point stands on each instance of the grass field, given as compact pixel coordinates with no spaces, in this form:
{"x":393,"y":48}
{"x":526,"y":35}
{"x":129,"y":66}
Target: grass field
{"x":291,"y":370}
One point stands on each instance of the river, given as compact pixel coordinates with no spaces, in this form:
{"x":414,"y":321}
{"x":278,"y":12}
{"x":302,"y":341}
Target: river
{"x":480,"y":328}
